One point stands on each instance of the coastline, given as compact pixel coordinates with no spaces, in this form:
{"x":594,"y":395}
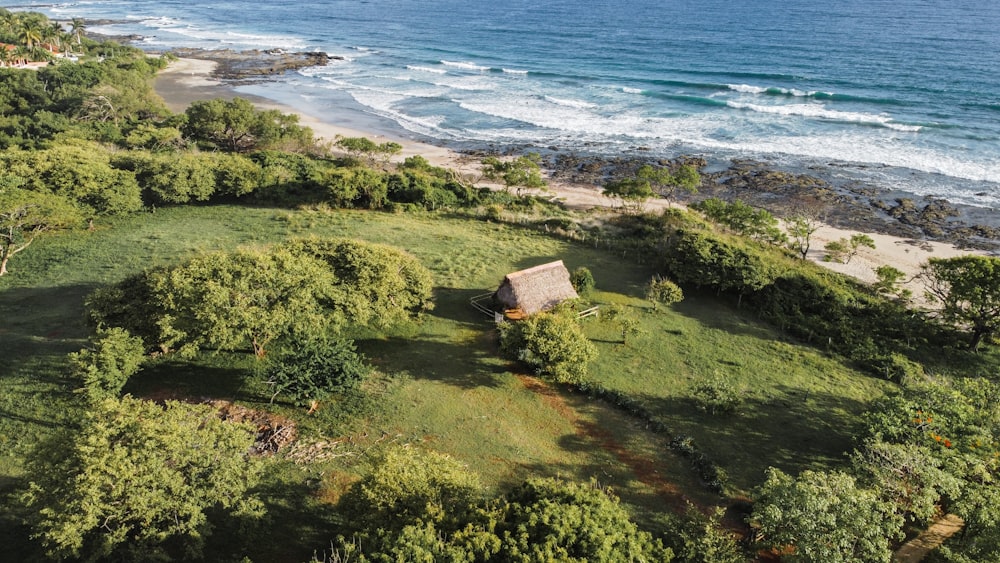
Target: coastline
{"x":187,"y":80}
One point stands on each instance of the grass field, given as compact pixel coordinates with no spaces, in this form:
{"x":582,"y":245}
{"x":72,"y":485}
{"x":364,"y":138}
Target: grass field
{"x":440,"y":382}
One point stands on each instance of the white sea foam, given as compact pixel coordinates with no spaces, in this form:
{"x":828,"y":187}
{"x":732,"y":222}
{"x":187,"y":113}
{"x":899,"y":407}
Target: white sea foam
{"x":465,"y":65}
{"x":569,"y":103}
{"x":821,"y":112}
{"x":427,"y":69}
{"x":628,"y":90}
{"x":513,"y":71}
{"x":747,"y":89}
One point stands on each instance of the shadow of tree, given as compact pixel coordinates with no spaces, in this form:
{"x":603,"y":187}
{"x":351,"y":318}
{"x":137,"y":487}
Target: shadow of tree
{"x":790,"y":429}
{"x":468,"y":364}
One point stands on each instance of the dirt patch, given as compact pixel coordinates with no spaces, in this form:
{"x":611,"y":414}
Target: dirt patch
{"x":274,"y":432}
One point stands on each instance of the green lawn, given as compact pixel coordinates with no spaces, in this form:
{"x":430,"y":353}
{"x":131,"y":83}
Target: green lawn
{"x":440,"y":382}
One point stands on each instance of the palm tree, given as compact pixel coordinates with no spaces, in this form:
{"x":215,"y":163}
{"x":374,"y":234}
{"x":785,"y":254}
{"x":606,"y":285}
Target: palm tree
{"x":30,"y":33}
{"x":6,"y":56}
{"x":53,"y":36}
{"x":77,"y":27}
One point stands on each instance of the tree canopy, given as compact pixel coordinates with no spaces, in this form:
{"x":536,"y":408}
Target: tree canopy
{"x":137,"y":479}
{"x":968,"y":288}
{"x":236,"y":125}
{"x":25,"y":215}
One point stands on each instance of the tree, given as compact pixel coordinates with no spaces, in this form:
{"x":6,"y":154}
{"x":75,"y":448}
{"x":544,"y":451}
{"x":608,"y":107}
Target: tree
{"x":235,"y":125}
{"x":248,"y":298}
{"x":704,"y":538}
{"x":369,"y":150}
{"x":910,"y":477}
{"x":25,"y":215}
{"x":632,"y":191}
{"x":888,"y":280}
{"x":968,"y":288}
{"x":582,"y":280}
{"x":136,"y":481}
{"x":524,"y":172}
{"x":552,"y":520}
{"x":845,"y":249}
{"x":825,"y":518}
{"x":107,"y":365}
{"x":77,"y":27}
{"x":627,"y":323}
{"x":551,"y":343}
{"x":801,"y":229}
{"x":376,"y":285}
{"x":30,"y":33}
{"x":665,"y":183}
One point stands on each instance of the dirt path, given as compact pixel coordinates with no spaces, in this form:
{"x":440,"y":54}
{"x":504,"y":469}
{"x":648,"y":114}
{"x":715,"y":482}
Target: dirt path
{"x":644,"y":469}
{"x":930,"y":539}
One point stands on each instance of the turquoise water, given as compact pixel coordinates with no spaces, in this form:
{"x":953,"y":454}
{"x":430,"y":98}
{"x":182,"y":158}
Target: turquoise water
{"x":901,"y":93}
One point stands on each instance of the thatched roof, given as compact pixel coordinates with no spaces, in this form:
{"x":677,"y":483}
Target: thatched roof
{"x":536,"y":289}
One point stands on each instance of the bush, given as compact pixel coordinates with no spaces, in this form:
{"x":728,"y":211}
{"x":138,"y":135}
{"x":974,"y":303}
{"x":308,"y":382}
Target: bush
{"x":551,"y":343}
{"x":582,"y":280}
{"x":312,"y":369}
{"x":716,"y":396}
{"x":663,"y":291}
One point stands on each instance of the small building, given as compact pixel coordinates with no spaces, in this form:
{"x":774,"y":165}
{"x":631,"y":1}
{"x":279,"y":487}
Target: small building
{"x":540,"y":288}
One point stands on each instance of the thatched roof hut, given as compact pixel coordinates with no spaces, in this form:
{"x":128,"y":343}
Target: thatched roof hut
{"x":527,"y":292}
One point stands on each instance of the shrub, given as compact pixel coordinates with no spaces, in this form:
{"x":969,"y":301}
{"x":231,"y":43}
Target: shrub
{"x":663,"y":291}
{"x":551,"y":343}
{"x":582,"y":280}
{"x":312,"y":369}
{"x":716,"y":396}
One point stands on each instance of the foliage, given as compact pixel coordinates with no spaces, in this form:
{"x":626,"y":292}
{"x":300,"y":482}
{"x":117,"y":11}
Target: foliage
{"x":376,"y":285}
{"x":888,"y":280}
{"x":704,"y":539}
{"x":81,"y":172}
{"x":628,"y":325}
{"x":800,"y":231}
{"x":311,"y":369}
{"x":235,"y":125}
{"x":231,"y":301}
{"x":743,"y":219}
{"x":824,"y":517}
{"x":582,"y":279}
{"x":523,"y":172}
{"x":666,"y":183}
{"x":370,"y":151}
{"x":553,"y":520}
{"x":968,"y":288}
{"x":425,"y":507}
{"x":632,"y":191}
{"x":408,"y":484}
{"x":717,"y":395}
{"x":106,"y":366}
{"x":703,"y":259}
{"x":843,"y":250}
{"x":137,"y":480}
{"x":25,"y":215}
{"x":173,"y":178}
{"x":908,"y":476}
{"x":661,"y":291}
{"x":551,"y":343}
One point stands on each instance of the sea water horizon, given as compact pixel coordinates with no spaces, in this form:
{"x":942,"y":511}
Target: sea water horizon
{"x":900,"y":94}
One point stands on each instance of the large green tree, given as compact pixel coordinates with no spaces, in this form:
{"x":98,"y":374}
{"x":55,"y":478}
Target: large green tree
{"x":247,"y":298}
{"x":235,"y":125}
{"x":824,"y":517}
{"x":968,"y":288}
{"x":25,"y":215}
{"x":136,"y":481}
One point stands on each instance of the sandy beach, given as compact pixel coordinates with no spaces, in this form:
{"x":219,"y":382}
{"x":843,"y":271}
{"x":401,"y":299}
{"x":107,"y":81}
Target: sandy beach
{"x":188,"y":80}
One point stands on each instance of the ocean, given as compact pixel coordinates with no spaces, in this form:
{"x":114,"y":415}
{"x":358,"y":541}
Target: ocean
{"x":900,"y":94}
